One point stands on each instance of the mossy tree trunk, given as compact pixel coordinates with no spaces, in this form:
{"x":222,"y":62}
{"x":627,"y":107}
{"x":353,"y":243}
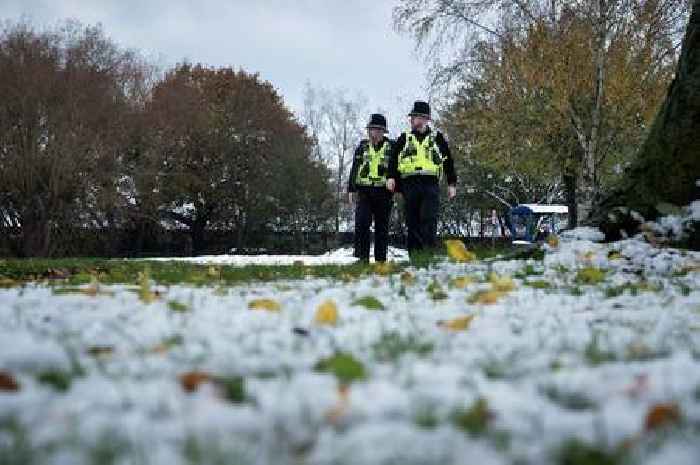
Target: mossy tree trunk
{"x":667,"y":169}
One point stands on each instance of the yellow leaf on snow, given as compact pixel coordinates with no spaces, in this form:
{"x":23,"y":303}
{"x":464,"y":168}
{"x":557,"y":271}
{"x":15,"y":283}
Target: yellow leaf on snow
{"x":501,"y":283}
{"x":458,"y":252}
{"x":461,"y":282}
{"x":327,"y":313}
{"x":460,"y":323}
{"x":146,"y":295}
{"x":485,"y":297}
{"x":383,"y":268}
{"x":269,"y":305}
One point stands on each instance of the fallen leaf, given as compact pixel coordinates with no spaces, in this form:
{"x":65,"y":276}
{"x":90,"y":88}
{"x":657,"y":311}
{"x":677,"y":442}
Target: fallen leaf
{"x":99,"y":351}
{"x":553,"y":241}
{"x":461,"y":282}
{"x":177,"y":307}
{"x":269,"y":305}
{"x":300,"y":331}
{"x":383,"y":268}
{"x":408,"y":278}
{"x":369,"y":302}
{"x":590,"y":275}
{"x":8,"y":383}
{"x":457,"y":251}
{"x":146,"y":295}
{"x":457,"y":324}
{"x":435,"y":291}
{"x":485,"y":297}
{"x":662,"y":415}
{"x":191,"y":380}
{"x":338,"y":411}
{"x":344,"y":366}
{"x":327,"y":313}
{"x":501,"y":283}
{"x":214,"y":272}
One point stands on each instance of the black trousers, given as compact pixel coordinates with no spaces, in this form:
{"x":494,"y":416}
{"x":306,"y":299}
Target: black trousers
{"x":422,"y":205}
{"x":373,"y":203}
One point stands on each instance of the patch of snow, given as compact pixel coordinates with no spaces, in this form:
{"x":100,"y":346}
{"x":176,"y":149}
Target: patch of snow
{"x":342,"y":256}
{"x":551,"y":364}
{"x":586,"y":233}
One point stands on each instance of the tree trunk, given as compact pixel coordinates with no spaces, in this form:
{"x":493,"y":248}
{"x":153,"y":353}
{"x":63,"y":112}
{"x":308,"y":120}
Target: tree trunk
{"x":571,"y":202}
{"x":36,"y":235}
{"x":667,"y":168}
{"x":198,"y":236}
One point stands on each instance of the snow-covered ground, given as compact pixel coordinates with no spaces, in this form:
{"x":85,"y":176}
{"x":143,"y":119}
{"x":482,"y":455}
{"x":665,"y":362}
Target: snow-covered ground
{"x":597,"y":342}
{"x":343,"y":256}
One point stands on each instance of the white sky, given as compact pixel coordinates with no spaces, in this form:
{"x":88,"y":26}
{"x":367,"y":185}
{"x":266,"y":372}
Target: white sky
{"x":333,"y":43}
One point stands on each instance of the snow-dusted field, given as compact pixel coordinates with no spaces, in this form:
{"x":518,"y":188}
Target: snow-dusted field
{"x":342,"y":256}
{"x":597,"y":343}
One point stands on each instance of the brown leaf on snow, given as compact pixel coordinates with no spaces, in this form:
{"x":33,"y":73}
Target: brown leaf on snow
{"x":191,"y":380}
{"x":336,"y":413}
{"x":662,"y":415}
{"x":408,"y":278}
{"x":8,"y":383}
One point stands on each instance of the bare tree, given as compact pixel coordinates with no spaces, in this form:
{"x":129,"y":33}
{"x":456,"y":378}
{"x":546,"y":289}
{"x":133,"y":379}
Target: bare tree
{"x":336,"y":119}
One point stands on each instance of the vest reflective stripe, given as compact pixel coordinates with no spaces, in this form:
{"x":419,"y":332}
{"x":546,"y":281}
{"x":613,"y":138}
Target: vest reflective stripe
{"x":420,"y":158}
{"x":369,"y":172}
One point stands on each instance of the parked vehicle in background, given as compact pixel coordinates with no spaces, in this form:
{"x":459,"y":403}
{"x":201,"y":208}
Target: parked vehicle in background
{"x":530,"y":223}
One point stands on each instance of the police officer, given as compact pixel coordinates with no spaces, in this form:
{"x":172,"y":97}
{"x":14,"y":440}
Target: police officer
{"x":418,"y":160}
{"x":368,"y":183}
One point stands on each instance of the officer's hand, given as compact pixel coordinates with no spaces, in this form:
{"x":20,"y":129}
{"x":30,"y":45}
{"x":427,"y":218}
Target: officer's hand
{"x":451,"y":191}
{"x":391,"y":184}
{"x":351,"y":197}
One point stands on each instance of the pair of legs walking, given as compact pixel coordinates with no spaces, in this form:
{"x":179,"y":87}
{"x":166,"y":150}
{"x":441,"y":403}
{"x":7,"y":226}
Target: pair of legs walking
{"x":422,"y":205}
{"x":372,"y":205}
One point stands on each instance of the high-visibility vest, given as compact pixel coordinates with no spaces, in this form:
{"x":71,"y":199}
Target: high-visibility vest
{"x":420,"y":158}
{"x":373,"y":168}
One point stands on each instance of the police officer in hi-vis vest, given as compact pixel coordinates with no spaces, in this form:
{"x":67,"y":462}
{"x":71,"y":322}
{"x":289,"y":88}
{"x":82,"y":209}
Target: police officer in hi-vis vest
{"x":368,"y":183}
{"x":416,"y":164}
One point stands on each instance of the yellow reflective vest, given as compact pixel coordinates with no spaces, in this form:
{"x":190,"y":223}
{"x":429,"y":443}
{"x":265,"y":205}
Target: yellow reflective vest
{"x":373,"y":167}
{"x":420,"y":158}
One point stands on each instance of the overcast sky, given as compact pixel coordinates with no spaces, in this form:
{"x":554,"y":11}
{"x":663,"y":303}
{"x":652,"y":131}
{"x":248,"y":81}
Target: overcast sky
{"x":333,"y":43}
